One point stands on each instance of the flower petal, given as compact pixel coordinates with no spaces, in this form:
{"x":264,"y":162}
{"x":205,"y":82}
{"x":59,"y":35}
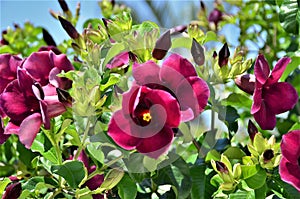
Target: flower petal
{"x":13,"y":191}
{"x":290,"y":173}
{"x":265,"y":117}
{"x":257,"y":100}
{"x":119,"y":129}
{"x":25,"y":82}
{"x":193,"y":93}
{"x":156,"y":145}
{"x":61,"y":62}
{"x":119,"y":61}
{"x":59,"y":82}
{"x":174,"y":69}
{"x":290,"y":146}
{"x":146,"y":73}
{"x":38,"y":65}
{"x":11,"y":129}
{"x":54,"y":106}
{"x":246,"y":83}
{"x":278,"y":70}
{"x":29,"y":128}
{"x":261,"y":69}
{"x":280,"y":97}
{"x":169,"y":105}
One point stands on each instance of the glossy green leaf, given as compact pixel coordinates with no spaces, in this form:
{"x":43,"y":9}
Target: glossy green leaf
{"x":237,"y":100}
{"x":234,"y":153}
{"x":127,"y":188}
{"x":242,"y":194}
{"x":94,"y":148}
{"x":72,"y":171}
{"x":258,"y":180}
{"x":290,"y":16}
{"x":112,"y":178}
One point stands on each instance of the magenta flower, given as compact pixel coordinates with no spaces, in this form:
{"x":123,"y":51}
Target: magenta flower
{"x":146,"y":120}
{"x":270,"y":96}
{"x":158,"y":101}
{"x":31,"y":100}
{"x":3,"y":137}
{"x":215,"y":16}
{"x":289,"y":167}
{"x":178,"y":77}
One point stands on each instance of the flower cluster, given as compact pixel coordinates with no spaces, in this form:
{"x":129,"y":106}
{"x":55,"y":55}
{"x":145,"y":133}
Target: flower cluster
{"x":160,"y":98}
{"x":28,"y":92}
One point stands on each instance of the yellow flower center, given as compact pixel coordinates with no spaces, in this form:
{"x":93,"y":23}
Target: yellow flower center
{"x":147,"y":117}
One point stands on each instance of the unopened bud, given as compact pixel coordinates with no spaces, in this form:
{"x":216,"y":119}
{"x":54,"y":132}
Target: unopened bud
{"x":197,"y":53}
{"x":48,"y":38}
{"x":162,"y":45}
{"x":221,"y":167}
{"x":224,"y":54}
{"x":268,"y":155}
{"x":252,"y":130}
{"x":63,"y":5}
{"x":69,"y":28}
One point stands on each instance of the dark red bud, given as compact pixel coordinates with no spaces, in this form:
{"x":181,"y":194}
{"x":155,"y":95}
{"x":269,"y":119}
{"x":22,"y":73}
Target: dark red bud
{"x":221,"y":167}
{"x":252,"y":130}
{"x":69,"y":28}
{"x":163,"y":44}
{"x":63,"y":5}
{"x":224,"y":54}
{"x":197,"y":53}
{"x":268,"y":155}
{"x":246,"y":83}
{"x":215,"y":16}
{"x":48,"y":38}
{"x":13,"y":191}
{"x":202,"y":5}
{"x":215,"y":54}
{"x":113,"y":3}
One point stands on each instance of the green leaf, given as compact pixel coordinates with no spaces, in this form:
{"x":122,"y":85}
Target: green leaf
{"x":127,"y":188}
{"x":248,"y":170}
{"x":234,"y":153}
{"x":3,"y":185}
{"x":112,"y":178}
{"x":210,"y":36}
{"x":201,"y":188}
{"x":289,"y":16}
{"x":260,"y":193}
{"x":113,"y":79}
{"x":258,"y":180}
{"x":238,"y":100}
{"x":112,"y":52}
{"x":72,"y":171}
{"x":94,"y":149}
{"x":182,"y":42}
{"x":242,"y":194}
{"x":291,"y":66}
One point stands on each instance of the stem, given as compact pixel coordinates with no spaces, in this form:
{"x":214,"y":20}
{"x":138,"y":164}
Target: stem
{"x":112,"y":162}
{"x":212,"y":124}
{"x":85,"y":134}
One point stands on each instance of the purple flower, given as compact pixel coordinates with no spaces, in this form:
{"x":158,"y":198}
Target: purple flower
{"x":246,"y":83}
{"x":270,"y":96}
{"x":289,"y":167}
{"x":48,"y":48}
{"x":3,"y":137}
{"x":155,"y":105}
{"x":31,"y":99}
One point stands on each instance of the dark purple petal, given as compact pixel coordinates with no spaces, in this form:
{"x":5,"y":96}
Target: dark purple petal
{"x":192,"y":93}
{"x":162,"y":45}
{"x":13,"y":191}
{"x":224,"y":54}
{"x":59,"y":82}
{"x":197,"y":53}
{"x":290,"y":173}
{"x":48,"y":38}
{"x":3,"y":137}
{"x":25,"y":82}
{"x":29,"y":128}
{"x":156,"y":145}
{"x":169,"y":104}
{"x":96,"y":181}
{"x":8,"y":67}
{"x":257,"y":100}
{"x":61,"y":62}
{"x":278,"y":70}
{"x":265,"y":117}
{"x":130,"y":100}
{"x":54,"y":106}
{"x":290,"y":146}
{"x":252,"y":130}
{"x":261,"y":69}
{"x":38,"y":91}
{"x":119,"y":61}
{"x":280,"y":97}
{"x":48,"y":48}
{"x":119,"y":129}
{"x":146,"y":73}
{"x":15,"y":105}
{"x":84,"y":159}
{"x":246,"y":83}
{"x":45,"y":115}
{"x":69,"y":28}
{"x":215,"y":16}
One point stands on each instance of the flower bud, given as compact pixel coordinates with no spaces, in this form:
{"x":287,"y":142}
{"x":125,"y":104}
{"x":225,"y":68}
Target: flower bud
{"x":69,"y":28}
{"x":215,"y":16}
{"x":246,"y":83}
{"x":162,"y":45}
{"x":221,"y":167}
{"x":252,"y":130}
{"x":48,"y":38}
{"x":13,"y":191}
{"x":268,"y":155}
{"x":224,"y":54}
{"x":197,"y":53}
{"x":63,"y":5}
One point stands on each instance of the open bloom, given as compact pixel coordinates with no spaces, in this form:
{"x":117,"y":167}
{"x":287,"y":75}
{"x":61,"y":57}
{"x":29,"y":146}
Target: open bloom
{"x":178,"y":77}
{"x":159,"y":100}
{"x":31,"y":99}
{"x":270,"y":96}
{"x":289,"y":167}
{"x":146,"y":120}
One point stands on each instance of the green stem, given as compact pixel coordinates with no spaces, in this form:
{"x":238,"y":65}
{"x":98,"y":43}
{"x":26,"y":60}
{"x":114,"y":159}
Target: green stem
{"x":85,"y":134}
{"x":212,"y":124}
{"x":112,"y":162}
